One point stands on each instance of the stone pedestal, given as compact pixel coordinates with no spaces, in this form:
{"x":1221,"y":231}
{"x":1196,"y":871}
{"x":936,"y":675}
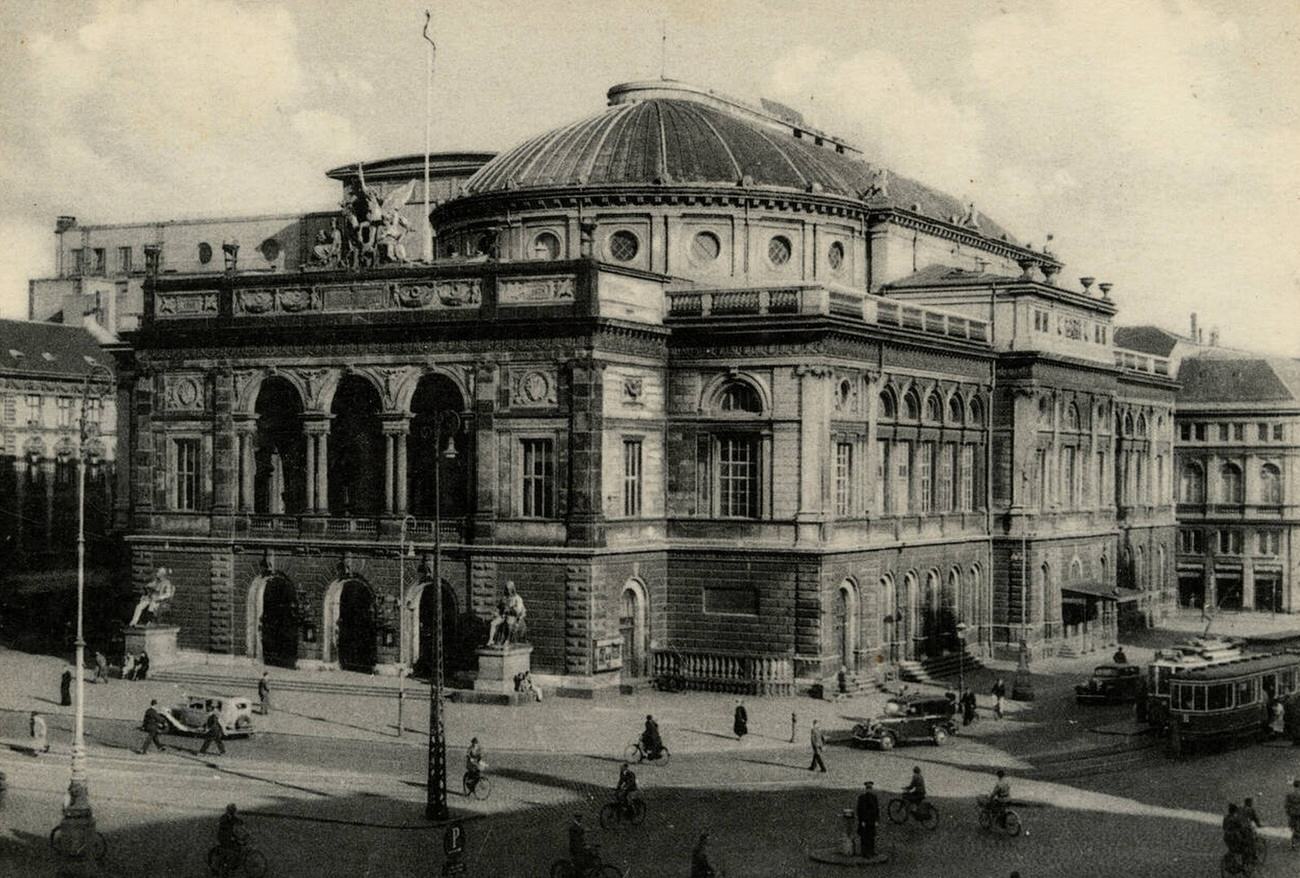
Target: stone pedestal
{"x":498,"y":666}
{"x":157,"y":640}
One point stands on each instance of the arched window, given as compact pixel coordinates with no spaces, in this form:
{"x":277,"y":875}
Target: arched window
{"x":1231,"y":488}
{"x":956,"y":413}
{"x":1191,"y":487}
{"x":1072,"y":417}
{"x":1142,"y":426}
{"x":546,"y":246}
{"x":911,"y":406}
{"x":1128,"y":425}
{"x":933,"y":409}
{"x":1270,"y":485}
{"x":737,"y":397}
{"x":976,"y":412}
{"x":888,"y":409}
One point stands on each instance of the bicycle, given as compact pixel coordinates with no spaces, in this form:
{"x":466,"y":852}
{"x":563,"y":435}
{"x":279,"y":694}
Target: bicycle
{"x":596,"y":868}
{"x":63,"y":843}
{"x":225,"y":861}
{"x":1233,"y":863}
{"x":634,"y":752}
{"x":995,"y":816}
{"x":900,"y":809}
{"x":477,"y":785}
{"x":631,"y":809}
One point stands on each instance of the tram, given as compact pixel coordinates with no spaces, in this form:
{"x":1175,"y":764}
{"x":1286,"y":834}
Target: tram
{"x":1228,"y":701}
{"x":1153,"y":702}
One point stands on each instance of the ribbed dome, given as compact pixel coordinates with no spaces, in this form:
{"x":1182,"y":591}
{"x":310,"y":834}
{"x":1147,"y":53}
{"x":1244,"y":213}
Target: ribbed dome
{"x":684,"y":142}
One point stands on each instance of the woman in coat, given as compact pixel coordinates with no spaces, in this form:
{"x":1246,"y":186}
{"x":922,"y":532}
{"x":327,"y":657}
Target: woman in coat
{"x":741,"y":723}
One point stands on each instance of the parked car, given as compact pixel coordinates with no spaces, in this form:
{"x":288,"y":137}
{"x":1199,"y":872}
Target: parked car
{"x":908,"y":719}
{"x":191,"y":715}
{"x":1110,"y":684}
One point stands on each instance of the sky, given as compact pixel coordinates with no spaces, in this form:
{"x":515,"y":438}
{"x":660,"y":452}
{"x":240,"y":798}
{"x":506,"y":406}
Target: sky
{"x":1157,"y":142}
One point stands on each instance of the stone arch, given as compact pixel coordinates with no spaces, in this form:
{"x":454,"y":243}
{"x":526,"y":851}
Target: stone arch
{"x":956,"y":409}
{"x":886,"y":630}
{"x":418,"y":615}
{"x":406,"y":391}
{"x":975,"y":599}
{"x":349,"y":618}
{"x":634,"y":626}
{"x":888,"y":404}
{"x":950,"y":608}
{"x":433,"y":394}
{"x":279,"y":448}
{"x":711,"y":395}
{"x":844,"y":623}
{"x":271,"y":627}
{"x":334,"y":379}
{"x":1050,"y":597}
{"x":911,"y":405}
{"x":356,"y":447}
{"x":905,"y":604}
{"x":930,"y":611}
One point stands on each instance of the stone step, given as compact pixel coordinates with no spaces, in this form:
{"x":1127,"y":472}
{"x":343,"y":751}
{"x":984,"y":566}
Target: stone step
{"x":233,"y":683}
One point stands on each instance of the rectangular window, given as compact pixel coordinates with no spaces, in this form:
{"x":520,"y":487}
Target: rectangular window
{"x":1068,"y":476}
{"x":1269,"y":542}
{"x":1101,"y":478}
{"x":947,"y":497}
{"x":1239,"y":432}
{"x":187,"y":474}
{"x":883,"y":504}
{"x":1223,"y":432}
{"x":967,"y":478}
{"x":901,"y":457}
{"x":79,"y":261}
{"x":1191,"y":542}
{"x":34,"y":409}
{"x":1263,"y":432}
{"x":632,"y":477}
{"x":843,"y":478}
{"x":1200,"y":432}
{"x":1277,"y":432}
{"x":737,"y":477}
{"x":94,"y":407}
{"x":1185,"y":432}
{"x":538,"y":483}
{"x":1229,"y":542}
{"x":124,"y":260}
{"x":1040,"y":470}
{"x":65,"y":410}
{"x":924,"y":473}
{"x":1218,"y":697}
{"x":101,"y":260}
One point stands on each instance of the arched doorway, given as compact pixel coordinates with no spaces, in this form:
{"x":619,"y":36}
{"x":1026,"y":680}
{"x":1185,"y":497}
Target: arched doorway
{"x":278,"y":625}
{"x":843,"y":625}
{"x":888,"y":639}
{"x":632,"y":626}
{"x":950,"y":611}
{"x":435,"y":394}
{"x":454,"y":646}
{"x":356,"y":450}
{"x":355,"y":626}
{"x":905,"y":614}
{"x":931,"y":633}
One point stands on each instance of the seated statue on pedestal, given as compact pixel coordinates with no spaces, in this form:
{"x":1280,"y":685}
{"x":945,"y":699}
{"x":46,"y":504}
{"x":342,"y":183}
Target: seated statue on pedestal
{"x":508,"y":624}
{"x":158,"y":591}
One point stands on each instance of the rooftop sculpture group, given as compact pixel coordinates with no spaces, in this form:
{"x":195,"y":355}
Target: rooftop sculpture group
{"x":373,"y":228}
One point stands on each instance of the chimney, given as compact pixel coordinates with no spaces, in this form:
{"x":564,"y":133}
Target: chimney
{"x":1193,"y":326}
{"x":1200,"y":336}
{"x":63,"y":223}
{"x":1214,"y":337}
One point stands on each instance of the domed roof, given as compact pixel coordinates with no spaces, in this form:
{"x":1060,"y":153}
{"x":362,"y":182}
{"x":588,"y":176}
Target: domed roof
{"x":671,"y":140}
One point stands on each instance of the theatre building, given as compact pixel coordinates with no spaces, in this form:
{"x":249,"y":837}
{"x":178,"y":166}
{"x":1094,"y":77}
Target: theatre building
{"x":728,"y":401}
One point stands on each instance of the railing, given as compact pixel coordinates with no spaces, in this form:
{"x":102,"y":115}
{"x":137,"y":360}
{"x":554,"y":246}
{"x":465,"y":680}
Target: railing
{"x":723,"y":672}
{"x":273,"y":525}
{"x":343,"y":527}
{"x":893,"y":313}
{"x":707,"y":303}
{"x":423,"y":528}
{"x":1141,"y":362}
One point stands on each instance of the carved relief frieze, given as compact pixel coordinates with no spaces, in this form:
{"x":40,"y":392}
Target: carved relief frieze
{"x":200,"y":304}
{"x":243,"y":381}
{"x":532,"y":387}
{"x":633,"y":390}
{"x":551,"y":290}
{"x":185,"y":392}
{"x":354,"y":297}
{"x":313,"y":383}
{"x":454,"y":293}
{"x":295,"y":299}
{"x":255,"y":301}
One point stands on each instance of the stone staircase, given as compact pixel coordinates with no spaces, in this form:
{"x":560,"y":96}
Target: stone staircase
{"x":235,"y":683}
{"x":939,"y":670}
{"x":828,"y":688}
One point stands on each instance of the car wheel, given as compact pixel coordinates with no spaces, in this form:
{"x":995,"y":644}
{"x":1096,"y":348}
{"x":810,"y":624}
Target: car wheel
{"x":938,"y":734}
{"x":887,"y":741}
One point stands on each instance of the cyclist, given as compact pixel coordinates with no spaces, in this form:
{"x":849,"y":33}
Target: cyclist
{"x":474,"y":764}
{"x":651,"y":743}
{"x":230,"y":835}
{"x":1292,"y":807}
{"x":584,"y":856}
{"x":626,"y":786}
{"x":999,"y":797}
{"x":701,"y":865}
{"x":914,"y":792}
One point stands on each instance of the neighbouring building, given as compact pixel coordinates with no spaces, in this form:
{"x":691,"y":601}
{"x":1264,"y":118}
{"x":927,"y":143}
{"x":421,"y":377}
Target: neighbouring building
{"x":729,"y":400}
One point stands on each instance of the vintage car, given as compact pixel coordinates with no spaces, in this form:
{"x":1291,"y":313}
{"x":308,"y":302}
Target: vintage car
{"x":1110,"y":684}
{"x":908,"y":718}
{"x":191,"y":715}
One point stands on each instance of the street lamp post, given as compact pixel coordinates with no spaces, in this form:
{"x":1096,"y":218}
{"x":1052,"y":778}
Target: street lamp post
{"x":78,"y":823}
{"x":961,"y":657}
{"x":401,"y":619}
{"x":436,"y":802}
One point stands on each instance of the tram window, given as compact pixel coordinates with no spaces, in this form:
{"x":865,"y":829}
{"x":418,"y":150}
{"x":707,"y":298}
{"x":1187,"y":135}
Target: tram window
{"x":1288,"y":681}
{"x":1246,"y":691}
{"x":1218,"y":697}
{"x":1183,"y":697}
{"x":1199,"y":703}
{"x":1161,"y":686}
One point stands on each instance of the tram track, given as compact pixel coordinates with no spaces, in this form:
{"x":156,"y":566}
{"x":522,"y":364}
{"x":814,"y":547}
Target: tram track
{"x":1068,"y":766}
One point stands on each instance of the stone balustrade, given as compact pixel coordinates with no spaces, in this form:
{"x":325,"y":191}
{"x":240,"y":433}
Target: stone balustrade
{"x":725,"y":672}
{"x":1138,"y":362}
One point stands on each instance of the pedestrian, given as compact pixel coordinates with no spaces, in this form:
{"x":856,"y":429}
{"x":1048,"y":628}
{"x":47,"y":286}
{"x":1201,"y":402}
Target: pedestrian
{"x":264,"y":692}
{"x":740,"y":725}
{"x":999,"y":694}
{"x":1119,"y":658}
{"x":968,"y":707}
{"x":65,"y":688}
{"x":818,"y":741}
{"x":1248,"y":814}
{"x":128,"y":665}
{"x":842,"y":681}
{"x":40,"y":740}
{"x":101,"y":667}
{"x":1291,"y":804}
{"x":142,"y":666}
{"x":794,"y":724}
{"x":868,"y":816}
{"x":153,"y":726}
{"x":701,"y":865}
{"x":213,"y":733}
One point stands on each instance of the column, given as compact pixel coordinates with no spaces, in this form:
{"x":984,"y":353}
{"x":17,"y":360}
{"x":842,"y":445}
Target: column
{"x":400,"y":441}
{"x":309,"y":504}
{"x":814,"y":442}
{"x":390,"y":463}
{"x":870,"y":458}
{"x":322,"y":470}
{"x":245,"y":433}
{"x":47,"y":470}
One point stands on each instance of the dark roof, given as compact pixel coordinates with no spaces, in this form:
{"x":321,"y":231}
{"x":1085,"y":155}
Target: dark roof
{"x":48,"y":349}
{"x":943,"y":275}
{"x":1147,"y":339}
{"x":663,"y":141}
{"x":1241,"y":667}
{"x":1223,"y":377}
{"x":441,"y":164}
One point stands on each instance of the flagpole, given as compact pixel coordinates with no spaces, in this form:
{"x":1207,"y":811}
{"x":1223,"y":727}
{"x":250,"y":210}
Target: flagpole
{"x":428,"y":133}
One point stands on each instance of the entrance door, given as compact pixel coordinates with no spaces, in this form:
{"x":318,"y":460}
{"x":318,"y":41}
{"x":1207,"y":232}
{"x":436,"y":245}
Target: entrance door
{"x":1191,"y":590}
{"x":841,"y":632}
{"x":627,"y":627}
{"x":1268,"y":592}
{"x":452,"y":648}
{"x":1227,"y":587}
{"x":279,"y":624}
{"x":356,"y":628}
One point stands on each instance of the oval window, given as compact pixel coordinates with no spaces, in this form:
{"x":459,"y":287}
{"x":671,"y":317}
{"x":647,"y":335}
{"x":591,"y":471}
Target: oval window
{"x":705,"y":247}
{"x":835,"y":256}
{"x":546,"y":246}
{"x":779,"y":250}
{"x":205,"y":253}
{"x":623,"y":246}
{"x":270,"y":249}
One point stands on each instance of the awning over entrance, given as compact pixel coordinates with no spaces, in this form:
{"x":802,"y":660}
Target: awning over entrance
{"x":1092,"y":589}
